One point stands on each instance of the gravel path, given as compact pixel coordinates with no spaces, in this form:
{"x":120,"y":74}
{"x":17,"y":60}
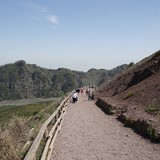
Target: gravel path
{"x":88,"y":134}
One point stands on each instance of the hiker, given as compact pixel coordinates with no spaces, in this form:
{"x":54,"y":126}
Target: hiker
{"x":81,"y":90}
{"x":87,"y":92}
{"x":74,"y":97}
{"x":89,"y":95}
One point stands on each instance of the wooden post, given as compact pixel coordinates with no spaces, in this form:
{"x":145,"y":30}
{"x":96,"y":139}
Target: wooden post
{"x":56,"y":117}
{"x":53,"y":121}
{"x":46,"y":134}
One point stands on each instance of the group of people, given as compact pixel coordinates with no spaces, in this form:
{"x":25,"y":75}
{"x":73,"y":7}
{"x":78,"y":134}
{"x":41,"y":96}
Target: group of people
{"x":76,"y":93}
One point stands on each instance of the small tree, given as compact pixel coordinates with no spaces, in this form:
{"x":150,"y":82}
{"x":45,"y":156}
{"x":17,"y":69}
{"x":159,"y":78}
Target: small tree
{"x":131,"y":64}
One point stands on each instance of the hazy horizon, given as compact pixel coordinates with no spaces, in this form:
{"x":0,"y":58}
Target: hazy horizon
{"x":78,"y":35}
{"x":60,"y":67}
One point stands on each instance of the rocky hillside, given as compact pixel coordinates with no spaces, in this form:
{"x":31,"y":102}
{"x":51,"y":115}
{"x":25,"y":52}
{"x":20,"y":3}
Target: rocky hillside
{"x":135,"y":96}
{"x":22,"y":80}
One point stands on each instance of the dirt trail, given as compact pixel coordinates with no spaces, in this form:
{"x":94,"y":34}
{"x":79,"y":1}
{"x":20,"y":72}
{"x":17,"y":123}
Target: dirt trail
{"x":88,"y":134}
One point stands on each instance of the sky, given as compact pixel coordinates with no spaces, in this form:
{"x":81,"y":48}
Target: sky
{"x":78,"y":34}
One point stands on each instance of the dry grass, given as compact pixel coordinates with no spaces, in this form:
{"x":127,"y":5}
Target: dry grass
{"x":15,"y":125}
{"x":7,"y":151}
{"x":11,"y":139}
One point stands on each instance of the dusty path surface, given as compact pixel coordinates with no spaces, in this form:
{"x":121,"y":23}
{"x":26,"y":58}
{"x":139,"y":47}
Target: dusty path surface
{"x":88,"y":134}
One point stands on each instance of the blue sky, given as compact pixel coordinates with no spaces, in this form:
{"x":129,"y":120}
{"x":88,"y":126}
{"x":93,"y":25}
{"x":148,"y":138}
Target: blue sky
{"x":78,"y":34}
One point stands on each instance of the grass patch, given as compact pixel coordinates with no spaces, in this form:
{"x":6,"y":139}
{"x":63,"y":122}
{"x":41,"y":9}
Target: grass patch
{"x":152,"y":109}
{"x":129,"y":95}
{"x":15,"y":124}
{"x":11,"y":139}
{"x":7,"y":151}
{"x":151,"y":132}
{"x":40,"y":149}
{"x":25,"y":111}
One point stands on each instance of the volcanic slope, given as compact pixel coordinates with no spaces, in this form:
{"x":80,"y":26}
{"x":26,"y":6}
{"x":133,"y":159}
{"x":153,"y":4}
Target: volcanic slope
{"x":135,"y":97}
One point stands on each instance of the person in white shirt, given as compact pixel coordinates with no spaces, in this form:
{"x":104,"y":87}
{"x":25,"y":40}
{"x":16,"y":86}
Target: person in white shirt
{"x":74,"y":97}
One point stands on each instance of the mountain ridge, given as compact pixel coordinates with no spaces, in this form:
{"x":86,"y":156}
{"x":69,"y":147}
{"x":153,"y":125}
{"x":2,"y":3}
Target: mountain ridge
{"x":21,"y":80}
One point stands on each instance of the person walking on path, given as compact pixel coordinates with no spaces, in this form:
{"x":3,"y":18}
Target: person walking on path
{"x":90,"y":95}
{"x":74,"y":97}
{"x":81,"y":91}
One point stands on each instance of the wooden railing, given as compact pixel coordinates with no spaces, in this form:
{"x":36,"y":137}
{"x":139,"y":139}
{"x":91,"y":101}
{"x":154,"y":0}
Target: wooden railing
{"x":50,"y":136}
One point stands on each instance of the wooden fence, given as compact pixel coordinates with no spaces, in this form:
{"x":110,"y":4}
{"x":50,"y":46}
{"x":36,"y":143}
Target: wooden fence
{"x":50,"y":136}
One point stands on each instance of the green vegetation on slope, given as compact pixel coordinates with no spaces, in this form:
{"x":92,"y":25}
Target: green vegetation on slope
{"x":25,"y":111}
{"x":21,"y":80}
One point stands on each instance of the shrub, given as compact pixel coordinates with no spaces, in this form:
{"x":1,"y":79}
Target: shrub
{"x":151,"y":132}
{"x":128,"y":95}
{"x":152,"y":109}
{"x":131,"y":64}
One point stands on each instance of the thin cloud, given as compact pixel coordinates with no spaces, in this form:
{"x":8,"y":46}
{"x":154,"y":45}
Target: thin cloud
{"x":53,"y":19}
{"x":45,"y":14}
{"x":37,"y":7}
